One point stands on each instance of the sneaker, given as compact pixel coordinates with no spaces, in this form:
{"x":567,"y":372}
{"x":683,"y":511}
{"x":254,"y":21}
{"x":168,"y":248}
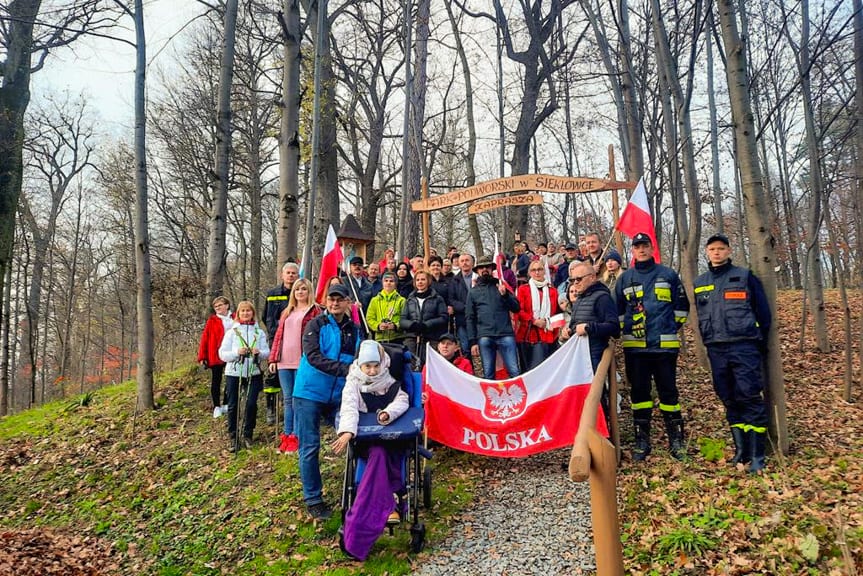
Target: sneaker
{"x":320,"y":511}
{"x":283,"y":438}
{"x":292,"y":443}
{"x":224,"y":409}
{"x":217,"y":412}
{"x":394,"y":519}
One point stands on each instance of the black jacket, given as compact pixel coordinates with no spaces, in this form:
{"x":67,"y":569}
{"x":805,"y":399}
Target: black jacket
{"x":430,"y":322}
{"x":458,"y":297}
{"x":487,"y":311}
{"x":596,"y":308}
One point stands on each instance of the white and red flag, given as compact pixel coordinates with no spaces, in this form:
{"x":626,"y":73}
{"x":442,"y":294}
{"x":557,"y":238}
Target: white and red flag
{"x":329,"y":263}
{"x":532,"y":413}
{"x":636,"y":217}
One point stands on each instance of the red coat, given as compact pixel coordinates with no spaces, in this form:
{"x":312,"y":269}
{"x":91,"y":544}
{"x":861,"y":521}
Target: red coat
{"x":211,"y":339}
{"x":526,"y":331}
{"x":276,"y":348}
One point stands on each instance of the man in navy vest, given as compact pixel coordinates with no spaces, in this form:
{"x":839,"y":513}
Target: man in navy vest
{"x":734,"y":320}
{"x":330,"y":343}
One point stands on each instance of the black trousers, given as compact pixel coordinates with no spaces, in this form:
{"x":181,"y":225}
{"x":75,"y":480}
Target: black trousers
{"x":738,"y":382}
{"x":661,"y":368}
{"x":216,"y":373}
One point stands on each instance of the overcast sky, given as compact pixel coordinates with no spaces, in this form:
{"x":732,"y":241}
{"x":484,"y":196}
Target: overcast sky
{"x":104,"y":69}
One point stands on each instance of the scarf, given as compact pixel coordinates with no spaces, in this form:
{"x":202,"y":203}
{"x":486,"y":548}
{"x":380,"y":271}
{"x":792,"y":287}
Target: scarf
{"x":541,"y":305}
{"x":425,"y":294}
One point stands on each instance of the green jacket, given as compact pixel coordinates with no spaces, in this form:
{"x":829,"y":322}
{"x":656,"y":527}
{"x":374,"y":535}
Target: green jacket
{"x":385,"y":307}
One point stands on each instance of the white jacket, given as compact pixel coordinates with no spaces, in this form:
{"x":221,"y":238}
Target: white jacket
{"x":243,"y":336}
{"x":352,"y":400}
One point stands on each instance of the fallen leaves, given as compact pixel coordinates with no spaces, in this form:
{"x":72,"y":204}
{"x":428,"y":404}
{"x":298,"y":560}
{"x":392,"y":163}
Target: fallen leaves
{"x":42,"y":552}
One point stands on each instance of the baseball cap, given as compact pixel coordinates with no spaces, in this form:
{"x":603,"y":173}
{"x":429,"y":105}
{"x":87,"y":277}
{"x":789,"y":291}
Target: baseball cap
{"x":338,"y":290}
{"x":641,"y":238}
{"x":356,"y":260}
{"x":448,"y":336}
{"x":718,"y":237}
{"x":571,"y":246}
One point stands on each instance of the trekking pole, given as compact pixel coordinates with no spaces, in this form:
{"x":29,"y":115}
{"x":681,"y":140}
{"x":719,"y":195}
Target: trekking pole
{"x":241,"y":402}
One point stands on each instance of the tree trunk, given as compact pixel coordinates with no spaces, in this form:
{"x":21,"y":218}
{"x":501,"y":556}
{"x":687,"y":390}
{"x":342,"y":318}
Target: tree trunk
{"x":858,"y":116}
{"x":635,"y":154}
{"x":146,"y":353}
{"x":714,"y":131}
{"x":5,"y":364}
{"x":14,"y":98}
{"x":217,"y":252}
{"x":757,"y":211}
{"x":289,"y":139}
{"x":416,"y":164}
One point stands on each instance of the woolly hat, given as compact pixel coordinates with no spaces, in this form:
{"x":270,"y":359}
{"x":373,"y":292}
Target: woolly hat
{"x":613,"y":255}
{"x":369,"y":352}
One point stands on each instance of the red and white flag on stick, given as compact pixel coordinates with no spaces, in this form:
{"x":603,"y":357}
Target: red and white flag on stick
{"x":532,"y":413}
{"x":636,"y":217}
{"x":498,"y":262}
{"x":329,"y":264}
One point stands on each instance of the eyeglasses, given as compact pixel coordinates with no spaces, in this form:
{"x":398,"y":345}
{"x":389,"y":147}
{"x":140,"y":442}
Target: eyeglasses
{"x":577,"y":279}
{"x":536,"y":270}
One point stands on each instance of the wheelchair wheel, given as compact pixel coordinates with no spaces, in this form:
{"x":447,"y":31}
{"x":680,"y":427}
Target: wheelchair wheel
{"x":427,"y":487}
{"x":418,"y":538}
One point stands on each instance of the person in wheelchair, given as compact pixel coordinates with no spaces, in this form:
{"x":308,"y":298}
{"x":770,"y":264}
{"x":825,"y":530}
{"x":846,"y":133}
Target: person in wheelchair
{"x":369,"y":387}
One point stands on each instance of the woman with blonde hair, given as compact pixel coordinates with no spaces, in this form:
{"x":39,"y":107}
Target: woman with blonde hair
{"x":243,"y":348}
{"x":287,"y":351}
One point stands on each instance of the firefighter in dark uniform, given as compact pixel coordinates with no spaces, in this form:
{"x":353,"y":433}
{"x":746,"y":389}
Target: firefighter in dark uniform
{"x":734,"y":320}
{"x":652,"y":307}
{"x":277,"y":301}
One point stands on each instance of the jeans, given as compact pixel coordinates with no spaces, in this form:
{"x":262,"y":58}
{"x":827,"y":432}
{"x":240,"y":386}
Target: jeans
{"x":463,"y":341}
{"x":286,"y":379}
{"x":232,"y":391}
{"x":307,"y":416}
{"x":488,"y":349}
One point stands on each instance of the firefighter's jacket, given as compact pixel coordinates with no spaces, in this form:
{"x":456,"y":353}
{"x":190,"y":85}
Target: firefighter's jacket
{"x":653,"y":293}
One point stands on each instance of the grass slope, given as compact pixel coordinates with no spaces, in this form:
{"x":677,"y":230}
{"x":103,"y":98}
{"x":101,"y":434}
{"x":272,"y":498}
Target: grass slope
{"x":163,"y":492}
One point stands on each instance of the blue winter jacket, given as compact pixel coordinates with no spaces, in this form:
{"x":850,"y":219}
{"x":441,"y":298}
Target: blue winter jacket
{"x":323,"y":366}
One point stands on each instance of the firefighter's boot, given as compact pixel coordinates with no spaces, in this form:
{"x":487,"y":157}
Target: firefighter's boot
{"x":756,"y":446}
{"x":674,"y":429}
{"x":642,"y":439}
{"x":741,"y":446}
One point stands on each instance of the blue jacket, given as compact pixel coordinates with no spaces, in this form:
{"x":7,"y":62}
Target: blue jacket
{"x":732,"y":305}
{"x":324,"y":364}
{"x":656,"y":292}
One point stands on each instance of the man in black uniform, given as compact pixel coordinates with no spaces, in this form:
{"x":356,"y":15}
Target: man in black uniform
{"x":277,"y":301}
{"x":734,"y":320}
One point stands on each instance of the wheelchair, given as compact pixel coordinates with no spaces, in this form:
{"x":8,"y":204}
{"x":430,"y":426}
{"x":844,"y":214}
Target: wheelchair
{"x":404,"y":434}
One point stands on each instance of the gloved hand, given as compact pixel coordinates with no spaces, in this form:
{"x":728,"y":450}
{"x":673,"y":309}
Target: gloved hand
{"x":638,"y":329}
{"x":419,"y":327}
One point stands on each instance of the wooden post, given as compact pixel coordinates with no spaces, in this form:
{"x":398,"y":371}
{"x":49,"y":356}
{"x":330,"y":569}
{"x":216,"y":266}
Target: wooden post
{"x":594,"y":457}
{"x":424,"y":194}
{"x":615,"y":203}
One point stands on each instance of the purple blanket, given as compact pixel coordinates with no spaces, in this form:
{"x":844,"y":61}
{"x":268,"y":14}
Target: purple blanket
{"x":367,"y":518}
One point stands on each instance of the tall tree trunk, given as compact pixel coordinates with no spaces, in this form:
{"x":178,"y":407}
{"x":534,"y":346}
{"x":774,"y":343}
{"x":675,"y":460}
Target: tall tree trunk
{"x":416,"y":165}
{"x":217,"y":252}
{"x":14,"y":98}
{"x":815,"y":286}
{"x":758,"y":216}
{"x":5,"y":364}
{"x":635,"y":154}
{"x":470,"y":150}
{"x":714,"y":130}
{"x":858,"y":117}
{"x":146,"y":352}
{"x":289,"y":139}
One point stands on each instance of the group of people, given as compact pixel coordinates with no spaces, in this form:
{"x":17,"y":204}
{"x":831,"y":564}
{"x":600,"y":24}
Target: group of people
{"x":460,"y":307}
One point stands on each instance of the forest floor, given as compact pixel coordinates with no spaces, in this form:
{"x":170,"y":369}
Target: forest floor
{"x":88,"y":488}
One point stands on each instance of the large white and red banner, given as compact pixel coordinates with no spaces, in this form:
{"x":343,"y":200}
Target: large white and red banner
{"x":532,"y":413}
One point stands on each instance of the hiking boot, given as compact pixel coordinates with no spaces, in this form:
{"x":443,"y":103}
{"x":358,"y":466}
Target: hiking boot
{"x":641,"y":450}
{"x":320,"y":511}
{"x":756,"y":445}
{"x":292,"y":444}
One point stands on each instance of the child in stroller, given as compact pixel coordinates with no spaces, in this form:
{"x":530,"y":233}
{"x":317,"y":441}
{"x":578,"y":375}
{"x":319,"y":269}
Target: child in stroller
{"x":370,"y":387}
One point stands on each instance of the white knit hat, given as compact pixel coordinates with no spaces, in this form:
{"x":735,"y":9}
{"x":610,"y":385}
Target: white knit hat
{"x":369,"y":352}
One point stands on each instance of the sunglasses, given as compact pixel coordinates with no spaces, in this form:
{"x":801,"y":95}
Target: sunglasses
{"x":576,"y":279}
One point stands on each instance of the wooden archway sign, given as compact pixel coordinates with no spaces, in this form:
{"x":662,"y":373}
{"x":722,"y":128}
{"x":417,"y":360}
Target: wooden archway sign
{"x":521,"y":183}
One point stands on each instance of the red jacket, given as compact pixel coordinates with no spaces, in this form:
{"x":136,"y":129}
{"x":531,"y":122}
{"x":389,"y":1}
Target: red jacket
{"x":276,"y":348}
{"x":211,"y":339}
{"x":526,"y":331}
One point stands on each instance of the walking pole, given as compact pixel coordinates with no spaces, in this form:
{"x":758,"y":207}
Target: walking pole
{"x":241,"y":403}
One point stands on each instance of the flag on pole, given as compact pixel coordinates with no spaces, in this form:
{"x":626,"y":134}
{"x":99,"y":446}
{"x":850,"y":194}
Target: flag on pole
{"x":329,"y":263}
{"x":498,"y":262}
{"x":636,"y":217}
{"x":532,"y":413}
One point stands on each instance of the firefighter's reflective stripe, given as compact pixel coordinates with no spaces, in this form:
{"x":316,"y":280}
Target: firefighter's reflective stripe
{"x":680,"y":316}
{"x":662,"y":291}
{"x":750,"y":427}
{"x":668,"y":341}
{"x":276,"y":298}
{"x":643,"y":405}
{"x":637,"y":291}
{"x":707,"y":288}
{"x":669,"y":407}
{"x":621,"y":319}
{"x":630,"y":341}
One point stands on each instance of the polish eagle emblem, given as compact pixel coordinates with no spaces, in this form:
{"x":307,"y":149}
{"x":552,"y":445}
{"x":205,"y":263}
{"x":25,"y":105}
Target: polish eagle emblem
{"x":504,"y":400}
